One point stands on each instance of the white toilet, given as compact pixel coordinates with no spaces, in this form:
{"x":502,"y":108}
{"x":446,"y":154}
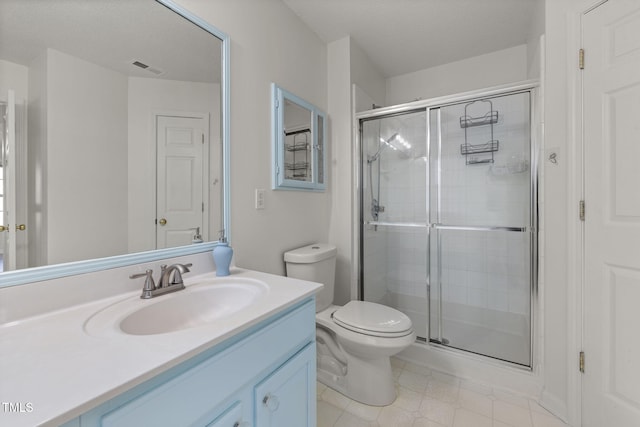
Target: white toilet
{"x":355,"y":341}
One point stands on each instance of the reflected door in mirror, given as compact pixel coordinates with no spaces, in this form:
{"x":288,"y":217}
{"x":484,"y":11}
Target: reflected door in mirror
{"x":182,"y":168}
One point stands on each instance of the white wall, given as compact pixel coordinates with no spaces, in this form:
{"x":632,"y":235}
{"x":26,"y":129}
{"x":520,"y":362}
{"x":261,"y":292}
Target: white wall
{"x":493,"y":69}
{"x":37,"y":161}
{"x":348,"y":66}
{"x":13,"y":76}
{"x":268,"y":44}
{"x":86,"y":178}
{"x":534,"y":44}
{"x":146,"y":98}
{"x":365,"y":75}
{"x":339,"y":73}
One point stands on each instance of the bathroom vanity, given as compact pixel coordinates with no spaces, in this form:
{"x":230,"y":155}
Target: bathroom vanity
{"x":268,"y":375}
{"x":254,"y":366}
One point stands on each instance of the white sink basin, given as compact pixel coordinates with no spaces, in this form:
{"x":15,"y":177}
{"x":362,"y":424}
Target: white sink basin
{"x":198,"y":304}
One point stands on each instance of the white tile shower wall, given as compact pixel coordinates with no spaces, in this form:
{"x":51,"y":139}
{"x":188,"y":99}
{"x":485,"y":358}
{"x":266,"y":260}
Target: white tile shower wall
{"x":486,"y":194}
{"x":487,"y":270}
{"x":407,"y":274}
{"x":403,"y":180}
{"x":375,"y":272}
{"x":407,"y":261}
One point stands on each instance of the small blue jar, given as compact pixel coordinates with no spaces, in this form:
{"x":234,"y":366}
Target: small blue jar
{"x":222,"y":255}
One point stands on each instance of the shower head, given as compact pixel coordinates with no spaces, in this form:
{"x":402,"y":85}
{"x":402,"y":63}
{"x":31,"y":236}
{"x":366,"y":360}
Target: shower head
{"x":395,"y":142}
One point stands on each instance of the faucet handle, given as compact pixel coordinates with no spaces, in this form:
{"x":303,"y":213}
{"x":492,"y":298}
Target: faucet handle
{"x":149,"y":284}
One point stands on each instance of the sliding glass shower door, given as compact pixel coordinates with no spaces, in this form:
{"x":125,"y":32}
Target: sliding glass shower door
{"x":447,"y":221}
{"x":481,"y":224}
{"x":394,"y":232}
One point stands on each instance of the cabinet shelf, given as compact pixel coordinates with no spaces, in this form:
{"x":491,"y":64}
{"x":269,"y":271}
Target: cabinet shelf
{"x":298,"y":146}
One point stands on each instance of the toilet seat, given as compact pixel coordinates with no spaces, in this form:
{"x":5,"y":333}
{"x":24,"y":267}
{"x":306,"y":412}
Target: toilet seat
{"x":373,"y":319}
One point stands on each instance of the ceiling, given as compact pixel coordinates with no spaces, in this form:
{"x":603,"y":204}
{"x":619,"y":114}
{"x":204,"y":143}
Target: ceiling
{"x":402,"y":36}
{"x":111,"y":33}
{"x":398,"y":36}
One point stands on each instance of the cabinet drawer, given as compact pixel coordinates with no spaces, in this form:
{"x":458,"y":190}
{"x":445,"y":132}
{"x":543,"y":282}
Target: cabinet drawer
{"x":192,"y":395}
{"x":232,"y":417}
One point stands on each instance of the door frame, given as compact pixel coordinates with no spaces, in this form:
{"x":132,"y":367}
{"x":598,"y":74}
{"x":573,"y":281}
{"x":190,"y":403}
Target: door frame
{"x":576,"y":232}
{"x":205,"y":177}
{"x":21,"y":213}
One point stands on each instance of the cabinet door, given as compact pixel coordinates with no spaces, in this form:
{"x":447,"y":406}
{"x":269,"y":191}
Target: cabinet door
{"x":287,"y":397}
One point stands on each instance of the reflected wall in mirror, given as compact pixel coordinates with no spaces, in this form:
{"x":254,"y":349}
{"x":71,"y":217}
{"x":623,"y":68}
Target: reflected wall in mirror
{"x":298,"y":143}
{"x":119,"y":130}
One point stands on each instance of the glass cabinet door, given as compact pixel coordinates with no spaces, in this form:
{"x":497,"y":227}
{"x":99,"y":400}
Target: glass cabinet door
{"x":298,"y":143}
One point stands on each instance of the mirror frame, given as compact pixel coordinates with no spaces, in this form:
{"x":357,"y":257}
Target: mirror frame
{"x":279,"y":182}
{"x":28,"y":275}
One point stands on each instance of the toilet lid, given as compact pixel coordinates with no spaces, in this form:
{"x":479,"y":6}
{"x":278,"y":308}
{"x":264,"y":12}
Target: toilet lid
{"x":373,"y":319}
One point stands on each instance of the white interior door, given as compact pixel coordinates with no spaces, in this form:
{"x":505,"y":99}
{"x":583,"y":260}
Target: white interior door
{"x":611,"y":382}
{"x":182,"y":170}
{"x":8,"y":223}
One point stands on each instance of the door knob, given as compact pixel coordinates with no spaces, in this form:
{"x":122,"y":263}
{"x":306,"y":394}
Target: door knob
{"x":3,"y":228}
{"x":163,"y":221}
{"x":271,"y":401}
{"x":21,"y":227}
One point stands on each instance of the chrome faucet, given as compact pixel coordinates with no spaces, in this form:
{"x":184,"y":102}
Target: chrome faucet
{"x":167,"y":280}
{"x":170,"y":280}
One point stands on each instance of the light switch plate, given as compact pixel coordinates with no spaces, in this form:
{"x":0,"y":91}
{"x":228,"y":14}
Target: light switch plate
{"x":259,"y":198}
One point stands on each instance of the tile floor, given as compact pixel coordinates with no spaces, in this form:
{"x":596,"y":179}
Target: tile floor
{"x":432,"y":399}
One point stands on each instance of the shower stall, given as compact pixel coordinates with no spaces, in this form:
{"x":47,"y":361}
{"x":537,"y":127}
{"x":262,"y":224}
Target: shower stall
{"x":447,"y":219}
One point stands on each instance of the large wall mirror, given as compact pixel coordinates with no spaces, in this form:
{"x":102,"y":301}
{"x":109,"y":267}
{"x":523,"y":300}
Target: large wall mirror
{"x":114,"y":121}
{"x":298,"y":143}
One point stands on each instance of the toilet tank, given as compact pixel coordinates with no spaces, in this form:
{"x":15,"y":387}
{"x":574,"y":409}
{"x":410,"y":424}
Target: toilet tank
{"x":316,"y":263}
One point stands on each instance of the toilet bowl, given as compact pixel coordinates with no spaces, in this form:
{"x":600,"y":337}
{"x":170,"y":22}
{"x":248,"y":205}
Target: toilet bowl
{"x":366,"y":347}
{"x":354,"y":341}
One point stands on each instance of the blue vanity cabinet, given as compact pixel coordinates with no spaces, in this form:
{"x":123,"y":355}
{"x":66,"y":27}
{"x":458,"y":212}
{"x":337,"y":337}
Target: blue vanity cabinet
{"x":264,"y":377}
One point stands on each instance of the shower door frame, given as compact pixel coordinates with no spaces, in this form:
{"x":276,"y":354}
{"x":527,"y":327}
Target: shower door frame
{"x":531,"y":87}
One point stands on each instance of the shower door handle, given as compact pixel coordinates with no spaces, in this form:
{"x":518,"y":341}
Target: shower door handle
{"x":479,"y":228}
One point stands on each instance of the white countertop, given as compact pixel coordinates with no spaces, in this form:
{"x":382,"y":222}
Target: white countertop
{"x":52,"y":366}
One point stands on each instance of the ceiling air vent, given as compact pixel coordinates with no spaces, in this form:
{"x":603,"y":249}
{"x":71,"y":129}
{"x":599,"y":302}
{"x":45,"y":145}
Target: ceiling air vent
{"x":148,"y":68}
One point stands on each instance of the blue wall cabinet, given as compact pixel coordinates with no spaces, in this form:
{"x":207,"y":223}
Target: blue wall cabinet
{"x":264,"y":377}
{"x":299,"y":143}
